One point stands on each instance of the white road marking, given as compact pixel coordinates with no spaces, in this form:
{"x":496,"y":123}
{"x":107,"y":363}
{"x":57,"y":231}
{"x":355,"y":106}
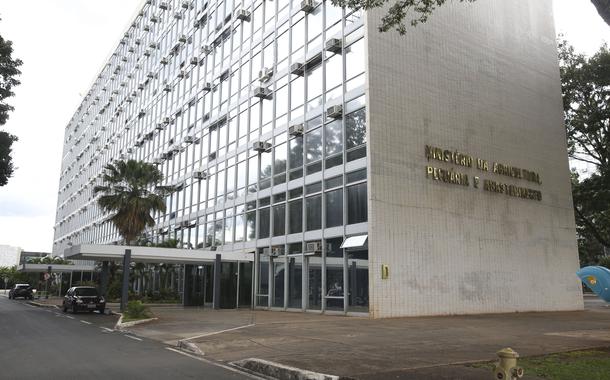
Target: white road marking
{"x":218,"y":332}
{"x":85,"y":322}
{"x":106,"y":329}
{"x":69,"y":317}
{"x":133,"y":337}
{"x":251,"y":376}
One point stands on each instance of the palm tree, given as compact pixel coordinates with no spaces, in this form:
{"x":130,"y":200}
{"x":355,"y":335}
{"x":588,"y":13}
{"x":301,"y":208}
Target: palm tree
{"x":126,"y":193}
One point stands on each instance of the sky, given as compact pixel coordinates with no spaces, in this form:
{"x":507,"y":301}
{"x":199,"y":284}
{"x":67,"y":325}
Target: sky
{"x":64,"y":44}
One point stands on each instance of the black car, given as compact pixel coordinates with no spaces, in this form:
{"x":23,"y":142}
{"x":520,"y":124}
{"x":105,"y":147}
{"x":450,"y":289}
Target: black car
{"x":21,"y":290}
{"x":83,"y":298}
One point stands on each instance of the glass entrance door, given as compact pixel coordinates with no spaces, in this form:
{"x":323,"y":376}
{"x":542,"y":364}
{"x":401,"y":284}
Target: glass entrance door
{"x":245,"y":284}
{"x":194,"y":285}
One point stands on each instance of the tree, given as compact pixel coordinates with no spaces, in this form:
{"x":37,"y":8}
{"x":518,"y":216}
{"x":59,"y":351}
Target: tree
{"x":415,"y":12}
{"x":8,"y":73}
{"x":586,"y":96}
{"x":130,"y":193}
{"x":6,"y":161}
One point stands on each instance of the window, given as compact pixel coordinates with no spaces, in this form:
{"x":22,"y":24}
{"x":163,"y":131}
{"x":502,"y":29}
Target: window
{"x":313,"y":155}
{"x":263,"y":223}
{"x":279,"y":219}
{"x":355,"y":134}
{"x":334,"y":207}
{"x":295,"y":216}
{"x":295,"y":157}
{"x":357,"y":203}
{"x":333,"y":145}
{"x":313,"y":207}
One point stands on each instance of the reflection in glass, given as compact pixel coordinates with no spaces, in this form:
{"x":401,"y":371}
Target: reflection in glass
{"x":358,"y":281}
{"x":334,"y":275}
{"x":278,"y":282}
{"x":295,"y":274}
{"x":314,"y":280}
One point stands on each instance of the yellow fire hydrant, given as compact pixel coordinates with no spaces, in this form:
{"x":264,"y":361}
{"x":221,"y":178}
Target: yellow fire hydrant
{"x":506,"y":368}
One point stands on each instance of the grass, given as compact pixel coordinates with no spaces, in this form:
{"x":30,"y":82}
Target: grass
{"x":577,"y":365}
{"x":136,"y":311}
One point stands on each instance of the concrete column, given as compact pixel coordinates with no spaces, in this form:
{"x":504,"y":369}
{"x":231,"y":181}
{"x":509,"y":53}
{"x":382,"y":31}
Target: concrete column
{"x":104,"y":279}
{"x":125,"y":285}
{"x":216,"y":298}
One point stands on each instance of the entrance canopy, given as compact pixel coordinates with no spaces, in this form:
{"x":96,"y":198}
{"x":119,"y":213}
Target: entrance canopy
{"x":152,"y":254}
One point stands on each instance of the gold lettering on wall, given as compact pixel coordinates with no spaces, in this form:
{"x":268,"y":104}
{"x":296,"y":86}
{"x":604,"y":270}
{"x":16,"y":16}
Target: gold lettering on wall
{"x":450,"y":176}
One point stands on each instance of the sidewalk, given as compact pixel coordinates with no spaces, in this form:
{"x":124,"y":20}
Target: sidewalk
{"x":363,"y":348}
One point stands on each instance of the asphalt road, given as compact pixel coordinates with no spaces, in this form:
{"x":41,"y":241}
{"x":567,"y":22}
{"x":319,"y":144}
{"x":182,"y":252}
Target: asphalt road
{"x":41,"y":343}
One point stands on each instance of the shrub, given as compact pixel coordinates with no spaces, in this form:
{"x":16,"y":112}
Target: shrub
{"x":136,"y":310}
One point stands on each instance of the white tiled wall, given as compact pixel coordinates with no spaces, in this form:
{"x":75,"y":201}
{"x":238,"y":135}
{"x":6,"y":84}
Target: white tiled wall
{"x":481,"y":78}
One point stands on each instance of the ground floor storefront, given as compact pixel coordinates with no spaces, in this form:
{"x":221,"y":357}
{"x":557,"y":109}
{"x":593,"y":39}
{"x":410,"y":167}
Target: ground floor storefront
{"x":333,"y":278}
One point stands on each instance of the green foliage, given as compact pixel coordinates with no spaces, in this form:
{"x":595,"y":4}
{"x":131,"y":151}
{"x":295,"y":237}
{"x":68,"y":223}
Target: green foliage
{"x":9,"y":70}
{"x":400,"y":13}
{"x":49,"y":260}
{"x":6,"y":161}
{"x":126,"y":193}
{"x":136,"y":310}
{"x":604,"y":261}
{"x":414,"y":12}
{"x":13,"y":276}
{"x":169,"y":243}
{"x":586,"y":92}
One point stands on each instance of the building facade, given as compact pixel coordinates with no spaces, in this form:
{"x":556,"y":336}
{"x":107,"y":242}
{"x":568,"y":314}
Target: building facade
{"x":365,"y":172}
{"x":9,"y":256}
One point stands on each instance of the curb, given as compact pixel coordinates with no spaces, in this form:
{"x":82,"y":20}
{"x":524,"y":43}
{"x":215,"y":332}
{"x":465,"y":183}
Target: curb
{"x":42,"y":305}
{"x":281,"y":371}
{"x":120,"y":325}
{"x":183,"y":345}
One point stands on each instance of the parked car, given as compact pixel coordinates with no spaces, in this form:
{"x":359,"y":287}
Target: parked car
{"x":83,"y":298}
{"x":21,"y":290}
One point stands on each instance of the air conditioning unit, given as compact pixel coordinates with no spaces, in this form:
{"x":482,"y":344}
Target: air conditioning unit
{"x":182,"y":39}
{"x":207,"y":49}
{"x":261,"y":146}
{"x":178,"y":16}
{"x":124,"y":59}
{"x":150,"y":75}
{"x":167,"y":120}
{"x":185,"y":224}
{"x":276,"y":251}
{"x":182,"y":74}
{"x":146,"y":28}
{"x":140,"y":86}
{"x":147,"y":53}
{"x":158,"y":161}
{"x":154,"y":18}
{"x":187,"y":5}
{"x":167,"y":88}
{"x":242,"y":14}
{"x":297,"y":68}
{"x":334,"y":112}
{"x":189,"y":139}
{"x":296,"y":130}
{"x":163,"y":5}
{"x":207,"y":86}
{"x":164,"y":61}
{"x":308,"y":5}
{"x":153,"y":45}
{"x":129,"y":150}
{"x":314,"y":247}
{"x":262,"y":92}
{"x":334,"y":45}
{"x":265,"y":74}
{"x":159,"y":127}
{"x":200,"y":175}
{"x":131,"y":49}
{"x":194,"y":61}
